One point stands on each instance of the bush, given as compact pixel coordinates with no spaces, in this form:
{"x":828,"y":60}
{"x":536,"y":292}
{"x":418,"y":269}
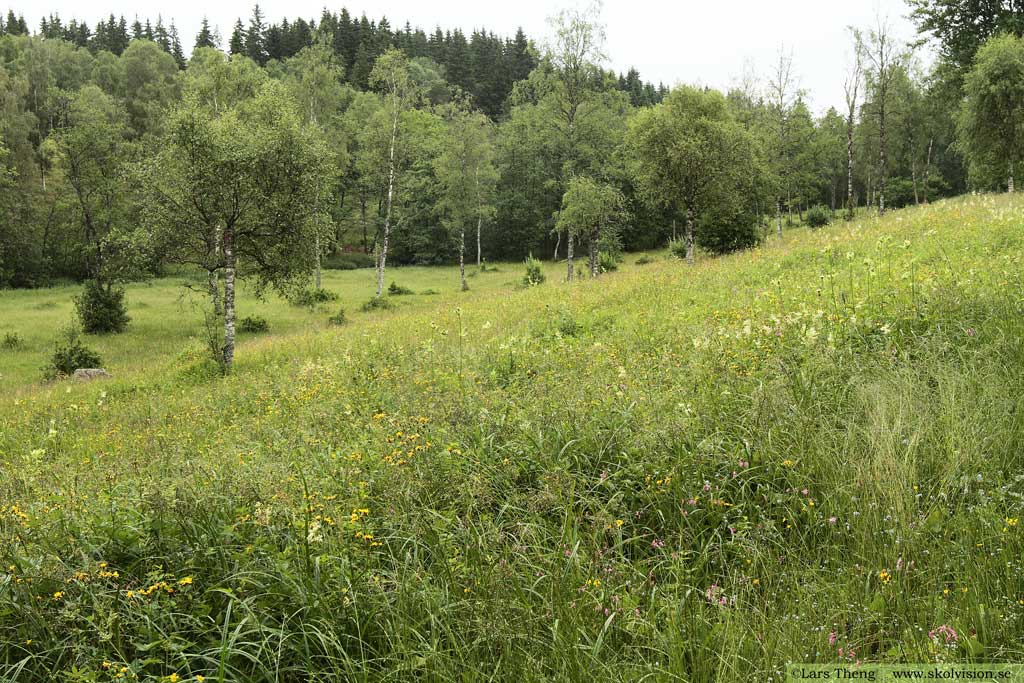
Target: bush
{"x":101,"y":308}
{"x":396,"y":289}
{"x":429,"y":292}
{"x":677,"y":247}
{"x":69,"y":354}
{"x":644,"y":260}
{"x":253,"y":324}
{"x":11,"y":341}
{"x":534,"y":273}
{"x":310,"y":297}
{"x":607,"y":262}
{"x":338,"y":318}
{"x":818,"y":216}
{"x":377,"y":303}
{"x":349,"y":261}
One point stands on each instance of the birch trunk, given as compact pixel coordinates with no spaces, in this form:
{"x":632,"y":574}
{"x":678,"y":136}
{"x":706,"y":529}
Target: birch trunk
{"x":778,"y":206}
{"x":316,"y":245}
{"x":387,"y":215}
{"x":568,"y":251}
{"x":594,"y":253}
{"x":1009,"y":184}
{"x":849,"y":169}
{"x":479,"y":261}
{"x":462,"y":257}
{"x":214,"y":285}
{"x":689,"y":236}
{"x":229,"y":297}
{"x":927,"y":170}
{"x":881,"y":156}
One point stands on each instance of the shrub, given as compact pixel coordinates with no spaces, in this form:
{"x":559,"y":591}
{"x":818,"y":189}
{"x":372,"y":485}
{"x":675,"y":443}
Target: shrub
{"x":677,"y":247}
{"x":12,"y":340}
{"x":349,"y":261}
{"x":377,"y":303}
{"x":311,"y":296}
{"x":101,"y":308}
{"x":534,"y":273}
{"x":607,"y":262}
{"x":396,"y":289}
{"x":644,"y":260}
{"x":818,"y":216}
{"x":253,"y":324}
{"x":429,"y":292}
{"x":69,"y":354}
{"x":338,"y":318}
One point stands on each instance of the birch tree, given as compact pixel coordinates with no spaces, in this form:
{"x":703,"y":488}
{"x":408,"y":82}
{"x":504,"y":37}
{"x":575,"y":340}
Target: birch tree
{"x":782,"y":96}
{"x":575,"y":54}
{"x":466,"y":172}
{"x":391,"y":74}
{"x":691,"y":157}
{"x":992,"y":115}
{"x":883,"y":58}
{"x":235,"y":192}
{"x":851,"y":89}
{"x":315,"y":79}
{"x":590,"y":208}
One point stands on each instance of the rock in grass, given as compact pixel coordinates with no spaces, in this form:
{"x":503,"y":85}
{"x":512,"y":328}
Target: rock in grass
{"x":89,"y":374}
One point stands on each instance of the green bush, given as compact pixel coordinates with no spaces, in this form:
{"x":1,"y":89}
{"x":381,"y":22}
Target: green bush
{"x":349,"y":261}
{"x":607,"y":262}
{"x":818,"y":216}
{"x":253,"y":324}
{"x":429,"y":292}
{"x":11,"y":341}
{"x":644,"y":260}
{"x":311,"y":297}
{"x":338,"y":318}
{"x":396,"y":289}
{"x":69,"y":354}
{"x":101,"y":308}
{"x":377,"y":303}
{"x":677,"y":247}
{"x":534,"y":273}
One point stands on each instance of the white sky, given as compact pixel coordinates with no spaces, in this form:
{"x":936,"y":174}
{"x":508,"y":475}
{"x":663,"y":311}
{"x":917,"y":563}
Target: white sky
{"x":682,"y":41}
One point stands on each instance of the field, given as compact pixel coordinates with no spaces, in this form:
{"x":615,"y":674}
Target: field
{"x":809,"y":452}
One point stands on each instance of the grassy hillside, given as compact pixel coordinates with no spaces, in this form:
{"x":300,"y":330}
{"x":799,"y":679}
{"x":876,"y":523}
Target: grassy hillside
{"x":806,"y":453}
{"x":167,"y":316}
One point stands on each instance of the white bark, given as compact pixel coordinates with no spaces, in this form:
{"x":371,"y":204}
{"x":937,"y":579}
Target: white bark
{"x":229,"y":297}
{"x":381,"y":264}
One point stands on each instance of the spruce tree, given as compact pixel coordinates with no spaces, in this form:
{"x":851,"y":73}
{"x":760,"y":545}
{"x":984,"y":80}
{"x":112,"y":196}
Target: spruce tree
{"x":256,"y":38}
{"x":236,"y":45}
{"x":205,"y":37}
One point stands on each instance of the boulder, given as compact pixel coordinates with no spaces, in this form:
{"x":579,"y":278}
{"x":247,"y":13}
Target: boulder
{"x":89,"y":374}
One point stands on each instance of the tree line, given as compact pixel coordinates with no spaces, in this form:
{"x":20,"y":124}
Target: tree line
{"x":298,"y":146}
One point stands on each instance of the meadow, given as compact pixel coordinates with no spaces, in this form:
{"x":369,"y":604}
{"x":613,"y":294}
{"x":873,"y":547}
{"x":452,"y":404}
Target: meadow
{"x":807,"y":452}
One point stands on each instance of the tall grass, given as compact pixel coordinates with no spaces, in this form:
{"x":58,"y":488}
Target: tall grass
{"x":804,"y":453}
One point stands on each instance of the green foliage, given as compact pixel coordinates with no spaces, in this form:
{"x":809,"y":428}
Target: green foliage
{"x":645,"y":259}
{"x":70,"y":354}
{"x":377,"y":303}
{"x":395,"y":289}
{"x":311,"y":297}
{"x":349,"y":261}
{"x":818,"y":216}
{"x":534,"y":272}
{"x":101,"y":309}
{"x":253,"y":324}
{"x":338,"y":318}
{"x":12,"y":341}
{"x":607,"y":262}
{"x":689,"y":155}
{"x":992,"y":114}
{"x":677,"y":247}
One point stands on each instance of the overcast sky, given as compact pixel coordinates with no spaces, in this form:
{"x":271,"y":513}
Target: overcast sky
{"x":683,"y":41}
